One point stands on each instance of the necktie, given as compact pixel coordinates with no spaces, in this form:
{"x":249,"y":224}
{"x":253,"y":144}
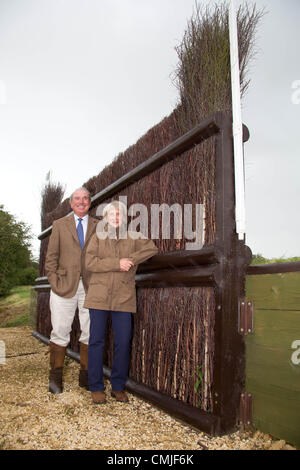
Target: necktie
{"x":80,"y":233}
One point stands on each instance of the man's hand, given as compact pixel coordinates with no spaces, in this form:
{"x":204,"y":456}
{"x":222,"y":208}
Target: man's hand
{"x":125,"y":264}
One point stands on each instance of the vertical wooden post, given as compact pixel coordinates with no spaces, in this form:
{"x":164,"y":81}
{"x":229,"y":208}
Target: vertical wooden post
{"x":229,"y":358}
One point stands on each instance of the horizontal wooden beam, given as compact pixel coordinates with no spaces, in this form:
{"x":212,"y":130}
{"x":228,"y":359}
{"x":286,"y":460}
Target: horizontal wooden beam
{"x":182,"y":268}
{"x":200,"y":264}
{"x":177,"y":259}
{"x":41,"y":280}
{"x":274,"y":268}
{"x":199,"y":133}
{"x":203,"y":420}
{"x":185,"y":277}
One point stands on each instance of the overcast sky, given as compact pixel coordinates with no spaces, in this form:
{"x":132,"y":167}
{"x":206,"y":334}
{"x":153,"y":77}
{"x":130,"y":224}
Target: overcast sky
{"x":81,"y":81}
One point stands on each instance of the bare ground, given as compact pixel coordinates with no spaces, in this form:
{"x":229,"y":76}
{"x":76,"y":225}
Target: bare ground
{"x":33,"y":418}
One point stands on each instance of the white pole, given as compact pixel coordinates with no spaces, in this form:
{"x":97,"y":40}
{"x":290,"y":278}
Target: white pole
{"x":240,"y":215}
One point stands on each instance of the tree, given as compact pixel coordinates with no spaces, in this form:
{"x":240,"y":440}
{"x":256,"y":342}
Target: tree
{"x":51,"y":196}
{"x":15,"y":253}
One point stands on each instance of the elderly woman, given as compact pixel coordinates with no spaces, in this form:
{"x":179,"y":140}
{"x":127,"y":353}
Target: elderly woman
{"x":112,"y":257}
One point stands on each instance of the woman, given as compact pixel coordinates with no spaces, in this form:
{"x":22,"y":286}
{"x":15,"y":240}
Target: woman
{"x":112,"y":257}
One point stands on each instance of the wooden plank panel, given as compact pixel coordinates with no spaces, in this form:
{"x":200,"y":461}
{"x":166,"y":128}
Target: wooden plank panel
{"x":272,"y":374}
{"x":275,"y":291}
{"x":272,"y":419}
{"x":273,"y":367}
{"x":276,"y":327}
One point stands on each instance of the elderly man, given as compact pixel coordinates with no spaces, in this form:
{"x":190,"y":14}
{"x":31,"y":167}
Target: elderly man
{"x":65,"y":268}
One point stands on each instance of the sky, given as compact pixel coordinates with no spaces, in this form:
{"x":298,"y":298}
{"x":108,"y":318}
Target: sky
{"x":81,"y":81}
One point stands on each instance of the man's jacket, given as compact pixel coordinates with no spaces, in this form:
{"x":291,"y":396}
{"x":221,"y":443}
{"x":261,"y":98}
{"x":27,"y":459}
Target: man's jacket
{"x":65,"y":259}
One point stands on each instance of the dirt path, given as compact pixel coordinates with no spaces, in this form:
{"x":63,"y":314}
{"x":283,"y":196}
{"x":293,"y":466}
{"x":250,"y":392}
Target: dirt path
{"x":32,"y":418}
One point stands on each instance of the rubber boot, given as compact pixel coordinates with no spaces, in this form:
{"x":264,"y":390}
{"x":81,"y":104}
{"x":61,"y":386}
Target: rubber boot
{"x":83,"y":373}
{"x":57,"y":357}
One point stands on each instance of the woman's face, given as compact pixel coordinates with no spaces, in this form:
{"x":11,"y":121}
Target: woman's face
{"x":114,"y":217}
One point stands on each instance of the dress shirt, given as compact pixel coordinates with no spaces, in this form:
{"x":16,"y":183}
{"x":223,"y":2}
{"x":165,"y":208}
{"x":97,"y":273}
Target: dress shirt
{"x":84,"y":223}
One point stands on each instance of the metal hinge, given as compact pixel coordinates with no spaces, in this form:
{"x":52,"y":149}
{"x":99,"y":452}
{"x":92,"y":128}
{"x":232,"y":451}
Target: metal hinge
{"x":245,"y":325}
{"x":246,"y":404}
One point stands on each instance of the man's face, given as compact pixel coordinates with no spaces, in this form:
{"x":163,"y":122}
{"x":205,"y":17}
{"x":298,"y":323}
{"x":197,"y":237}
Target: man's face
{"x":80,"y":203}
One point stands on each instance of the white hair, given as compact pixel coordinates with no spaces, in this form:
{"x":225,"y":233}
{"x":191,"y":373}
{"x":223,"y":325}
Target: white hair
{"x":116,"y":205}
{"x":80,"y":189}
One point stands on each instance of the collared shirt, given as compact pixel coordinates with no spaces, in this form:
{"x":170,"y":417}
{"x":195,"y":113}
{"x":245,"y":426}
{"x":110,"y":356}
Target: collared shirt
{"x":84,"y":223}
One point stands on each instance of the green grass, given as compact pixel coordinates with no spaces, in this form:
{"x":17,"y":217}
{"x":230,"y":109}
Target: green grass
{"x":19,"y":321}
{"x":15,"y":308}
{"x":259,"y":259}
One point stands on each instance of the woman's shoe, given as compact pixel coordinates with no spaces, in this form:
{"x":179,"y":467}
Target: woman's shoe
{"x":99,"y":397}
{"x":120,"y":396}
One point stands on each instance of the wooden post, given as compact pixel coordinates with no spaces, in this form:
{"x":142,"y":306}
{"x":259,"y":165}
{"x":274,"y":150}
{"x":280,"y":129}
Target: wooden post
{"x":229,"y":359}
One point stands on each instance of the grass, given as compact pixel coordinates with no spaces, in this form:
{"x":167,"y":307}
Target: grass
{"x":15,"y":308}
{"x":259,"y":259}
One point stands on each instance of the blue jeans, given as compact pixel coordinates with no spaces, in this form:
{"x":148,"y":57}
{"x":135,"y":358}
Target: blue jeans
{"x":121,"y":324}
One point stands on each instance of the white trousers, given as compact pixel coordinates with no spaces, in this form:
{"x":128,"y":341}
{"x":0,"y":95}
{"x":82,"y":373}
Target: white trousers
{"x":62,"y":316}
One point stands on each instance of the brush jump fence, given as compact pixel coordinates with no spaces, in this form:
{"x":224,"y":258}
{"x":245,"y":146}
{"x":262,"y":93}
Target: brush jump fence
{"x":188,"y":347}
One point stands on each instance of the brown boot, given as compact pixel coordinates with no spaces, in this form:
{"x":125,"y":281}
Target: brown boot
{"x":120,"y":396}
{"x":57,"y":357}
{"x":98,"y":397}
{"x":83,"y":373}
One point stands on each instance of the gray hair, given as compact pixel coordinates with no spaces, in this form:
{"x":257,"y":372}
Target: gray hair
{"x":82,"y":188}
{"x":117,"y":205}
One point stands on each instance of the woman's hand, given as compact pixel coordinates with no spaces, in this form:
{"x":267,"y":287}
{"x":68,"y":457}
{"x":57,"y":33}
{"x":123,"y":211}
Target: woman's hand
{"x":125,"y":264}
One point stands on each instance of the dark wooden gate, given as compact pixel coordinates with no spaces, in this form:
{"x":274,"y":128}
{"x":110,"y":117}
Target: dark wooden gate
{"x":214,"y":274}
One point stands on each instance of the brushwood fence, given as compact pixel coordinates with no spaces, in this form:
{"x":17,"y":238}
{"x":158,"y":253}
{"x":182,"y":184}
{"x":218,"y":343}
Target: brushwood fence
{"x":188,"y":348}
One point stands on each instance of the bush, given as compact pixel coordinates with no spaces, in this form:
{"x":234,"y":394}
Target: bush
{"x":27,"y":276}
{"x":15,"y":254}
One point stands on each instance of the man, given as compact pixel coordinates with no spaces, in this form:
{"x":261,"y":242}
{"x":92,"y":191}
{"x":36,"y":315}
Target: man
{"x":69,"y":279}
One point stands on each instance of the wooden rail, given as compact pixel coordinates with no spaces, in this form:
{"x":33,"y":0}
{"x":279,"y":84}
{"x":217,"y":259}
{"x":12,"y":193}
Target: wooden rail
{"x":209,"y":422}
{"x":203,"y":131}
{"x":274,"y":268}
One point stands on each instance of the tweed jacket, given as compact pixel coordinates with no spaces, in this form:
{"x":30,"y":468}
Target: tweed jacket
{"x":65,"y":259}
{"x":110,"y":288}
